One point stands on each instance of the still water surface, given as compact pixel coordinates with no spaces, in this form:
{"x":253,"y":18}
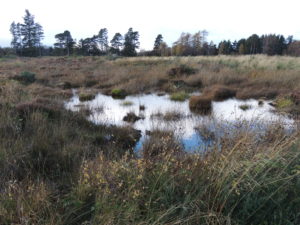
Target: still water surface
{"x":226,"y":114}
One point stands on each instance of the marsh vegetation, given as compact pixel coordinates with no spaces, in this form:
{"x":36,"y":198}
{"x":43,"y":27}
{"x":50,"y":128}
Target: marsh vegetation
{"x":71,"y":160}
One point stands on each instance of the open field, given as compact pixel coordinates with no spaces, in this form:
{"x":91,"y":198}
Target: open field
{"x":57,"y":168}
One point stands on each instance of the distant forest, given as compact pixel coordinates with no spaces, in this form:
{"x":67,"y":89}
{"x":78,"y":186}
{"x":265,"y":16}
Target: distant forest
{"x":27,"y":41}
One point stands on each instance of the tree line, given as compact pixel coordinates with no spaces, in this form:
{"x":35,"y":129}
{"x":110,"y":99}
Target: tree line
{"x":27,"y":41}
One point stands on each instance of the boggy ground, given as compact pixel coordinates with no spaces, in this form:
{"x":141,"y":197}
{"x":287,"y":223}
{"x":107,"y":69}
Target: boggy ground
{"x":250,"y":76}
{"x":58,"y":168}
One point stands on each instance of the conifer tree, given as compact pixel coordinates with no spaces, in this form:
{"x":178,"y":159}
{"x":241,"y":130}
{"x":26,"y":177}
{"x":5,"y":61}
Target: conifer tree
{"x":116,"y":43}
{"x":103,"y":40}
{"x":131,"y":43}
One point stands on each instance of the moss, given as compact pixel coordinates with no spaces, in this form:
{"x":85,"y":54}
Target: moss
{"x":118,"y":93}
{"x":179,"y":96}
{"x":86,"y":97}
{"x":284,"y":102}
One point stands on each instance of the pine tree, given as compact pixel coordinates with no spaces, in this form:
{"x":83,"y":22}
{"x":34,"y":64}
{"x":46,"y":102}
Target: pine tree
{"x":28,"y":30}
{"x":116,"y":43}
{"x":64,"y":41}
{"x":39,"y":35}
{"x":15,"y":39}
{"x":27,"y":36}
{"x":157,"y":42}
{"x":103,"y":40}
{"x":131,"y":43}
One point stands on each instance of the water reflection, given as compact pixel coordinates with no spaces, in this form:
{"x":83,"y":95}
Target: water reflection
{"x":105,"y":109}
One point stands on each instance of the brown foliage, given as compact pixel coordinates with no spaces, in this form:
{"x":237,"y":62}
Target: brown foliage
{"x":200,"y":104}
{"x":220,"y":93}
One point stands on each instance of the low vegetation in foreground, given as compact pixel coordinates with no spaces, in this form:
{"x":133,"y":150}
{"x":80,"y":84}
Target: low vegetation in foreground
{"x":59,"y":168}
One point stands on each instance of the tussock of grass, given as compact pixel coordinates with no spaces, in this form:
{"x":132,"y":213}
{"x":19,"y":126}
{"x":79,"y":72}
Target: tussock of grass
{"x":131,"y":117}
{"x":220,"y":93}
{"x":25,"y":77}
{"x":86,"y":97}
{"x":200,"y":104}
{"x":171,"y":115}
{"x":127,"y":103}
{"x":284,"y":102}
{"x":179,"y":96}
{"x":245,"y":107}
{"x":118,"y":93}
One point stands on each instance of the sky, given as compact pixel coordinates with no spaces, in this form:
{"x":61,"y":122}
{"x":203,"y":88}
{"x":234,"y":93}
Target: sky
{"x":223,"y":19}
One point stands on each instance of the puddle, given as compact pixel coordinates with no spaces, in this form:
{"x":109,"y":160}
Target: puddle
{"x":106,"y":110}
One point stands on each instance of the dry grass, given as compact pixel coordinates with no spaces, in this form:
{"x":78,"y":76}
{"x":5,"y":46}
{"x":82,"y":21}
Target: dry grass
{"x":200,"y":104}
{"x":257,"y":76}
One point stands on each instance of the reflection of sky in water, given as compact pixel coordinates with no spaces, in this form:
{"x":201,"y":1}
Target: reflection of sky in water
{"x":226,"y":112}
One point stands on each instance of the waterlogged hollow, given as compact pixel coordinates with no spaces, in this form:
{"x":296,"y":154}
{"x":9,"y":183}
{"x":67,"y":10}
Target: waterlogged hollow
{"x":159,"y":112}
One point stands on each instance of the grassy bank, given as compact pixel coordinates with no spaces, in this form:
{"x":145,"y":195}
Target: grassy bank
{"x":57,"y":168}
{"x":270,"y":75}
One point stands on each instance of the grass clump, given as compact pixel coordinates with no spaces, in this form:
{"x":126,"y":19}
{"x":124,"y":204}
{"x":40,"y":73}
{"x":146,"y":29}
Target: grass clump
{"x":220,"y":92}
{"x":182,"y":70}
{"x":179,"y":96}
{"x":86,"y":97}
{"x":284,"y":102}
{"x":131,"y":117}
{"x":245,"y":107}
{"x":243,"y":184}
{"x":118,"y":93}
{"x":127,"y":103}
{"x":200,"y":104}
{"x":26,"y":77}
{"x":171,"y":115}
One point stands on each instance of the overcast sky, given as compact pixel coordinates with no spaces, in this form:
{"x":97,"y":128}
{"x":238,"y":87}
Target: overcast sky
{"x":223,"y":19}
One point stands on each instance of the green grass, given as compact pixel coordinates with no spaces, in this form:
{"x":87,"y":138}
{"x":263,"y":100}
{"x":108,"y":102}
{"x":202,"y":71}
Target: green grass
{"x":127,"y":103}
{"x":86,"y":97}
{"x":179,"y":96}
{"x":284,"y":102}
{"x":245,"y":107}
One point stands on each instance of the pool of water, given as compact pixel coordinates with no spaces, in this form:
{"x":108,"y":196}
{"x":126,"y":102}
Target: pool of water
{"x":106,"y":110}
